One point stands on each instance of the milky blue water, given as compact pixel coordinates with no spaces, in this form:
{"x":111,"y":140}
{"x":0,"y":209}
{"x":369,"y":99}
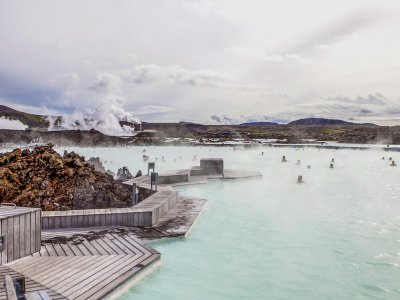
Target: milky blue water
{"x":337,"y":236}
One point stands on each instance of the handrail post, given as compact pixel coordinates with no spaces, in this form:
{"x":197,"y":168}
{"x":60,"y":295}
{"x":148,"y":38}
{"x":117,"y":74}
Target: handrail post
{"x":9,"y":287}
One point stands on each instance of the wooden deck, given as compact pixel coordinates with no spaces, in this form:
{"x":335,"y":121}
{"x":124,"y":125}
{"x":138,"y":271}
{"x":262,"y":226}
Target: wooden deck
{"x":177,"y":222}
{"x":85,"y":265}
{"x":30,"y":285}
{"x":88,"y":254}
{"x":145,"y":213}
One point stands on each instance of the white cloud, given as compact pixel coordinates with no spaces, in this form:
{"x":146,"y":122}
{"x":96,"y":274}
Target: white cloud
{"x":153,"y":109}
{"x":276,"y":58}
{"x":106,"y":84}
{"x":367,"y":108}
{"x":146,"y":74}
{"x":201,"y":57}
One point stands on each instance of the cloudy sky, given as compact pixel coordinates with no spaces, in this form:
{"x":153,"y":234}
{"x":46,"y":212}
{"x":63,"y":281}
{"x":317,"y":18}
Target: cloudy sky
{"x":219,"y":61}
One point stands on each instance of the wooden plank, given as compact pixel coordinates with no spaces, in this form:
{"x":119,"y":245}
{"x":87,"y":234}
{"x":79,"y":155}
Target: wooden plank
{"x":50,"y":249}
{"x":63,"y":221}
{"x":92,"y":218}
{"x":125,"y":219}
{"x":1,"y":233}
{"x":124,"y":244}
{"x":50,"y":222}
{"x":99,"y":248}
{"x":86,"y":218}
{"x":27,"y":264}
{"x":45,"y":222}
{"x":105,"y":245}
{"x":118,"y":217}
{"x":39,"y":295}
{"x":106,"y":280}
{"x":135,"y":244}
{"x":16,"y":237}
{"x":103,"y":289}
{"x":61,"y":277}
{"x":108,"y":220}
{"x":130,"y":219}
{"x":10,"y":290}
{"x":4,"y":232}
{"x":74,"y":221}
{"x":68,"y":221}
{"x":33,"y":232}
{"x":98,"y":275}
{"x":90,"y":247}
{"x":114,"y":218}
{"x":31,"y":286}
{"x":109,"y":240}
{"x":82,"y":279}
{"x":38,"y":231}
{"x":120,"y":244}
{"x":97,"y":218}
{"x":42,"y":266}
{"x":43,"y":251}
{"x":67,"y":249}
{"x":74,"y":248}
{"x":57,"y":273}
{"x":58,"y":249}
{"x":136,"y":218}
{"x":22,"y":230}
{"x":28,"y":249}
{"x":57,"y":221}
{"x":81,"y":220}
{"x":10,"y":238}
{"x":82,"y":248}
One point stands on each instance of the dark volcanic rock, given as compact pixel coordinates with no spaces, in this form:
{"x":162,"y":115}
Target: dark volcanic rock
{"x":97,"y":164}
{"x":43,"y":178}
{"x":123,"y":174}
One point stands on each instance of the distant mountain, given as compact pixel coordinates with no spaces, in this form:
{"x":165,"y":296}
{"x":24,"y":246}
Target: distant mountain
{"x":258,"y":124}
{"x":322,"y":121}
{"x":30,"y":120}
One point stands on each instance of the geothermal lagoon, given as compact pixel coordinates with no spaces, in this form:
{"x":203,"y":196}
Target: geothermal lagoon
{"x":335,"y":236}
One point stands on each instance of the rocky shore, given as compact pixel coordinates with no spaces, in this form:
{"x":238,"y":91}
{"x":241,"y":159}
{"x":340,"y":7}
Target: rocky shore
{"x":186,"y":134}
{"x":43,"y":178}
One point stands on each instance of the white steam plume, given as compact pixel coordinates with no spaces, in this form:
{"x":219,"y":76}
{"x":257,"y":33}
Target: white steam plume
{"x":108,"y":111}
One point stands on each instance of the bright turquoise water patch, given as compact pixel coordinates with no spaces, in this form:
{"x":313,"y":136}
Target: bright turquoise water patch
{"x":337,"y":236}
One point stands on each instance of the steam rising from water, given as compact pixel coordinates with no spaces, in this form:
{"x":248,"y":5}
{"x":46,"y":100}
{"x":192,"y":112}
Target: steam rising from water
{"x":104,"y":118}
{"x":334,"y":237}
{"x":107,"y":111}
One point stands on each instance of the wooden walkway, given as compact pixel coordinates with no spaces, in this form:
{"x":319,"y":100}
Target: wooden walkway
{"x":145,"y":213}
{"x":177,"y":222}
{"x":30,"y":285}
{"x":106,"y":250}
{"x":86,"y":265}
